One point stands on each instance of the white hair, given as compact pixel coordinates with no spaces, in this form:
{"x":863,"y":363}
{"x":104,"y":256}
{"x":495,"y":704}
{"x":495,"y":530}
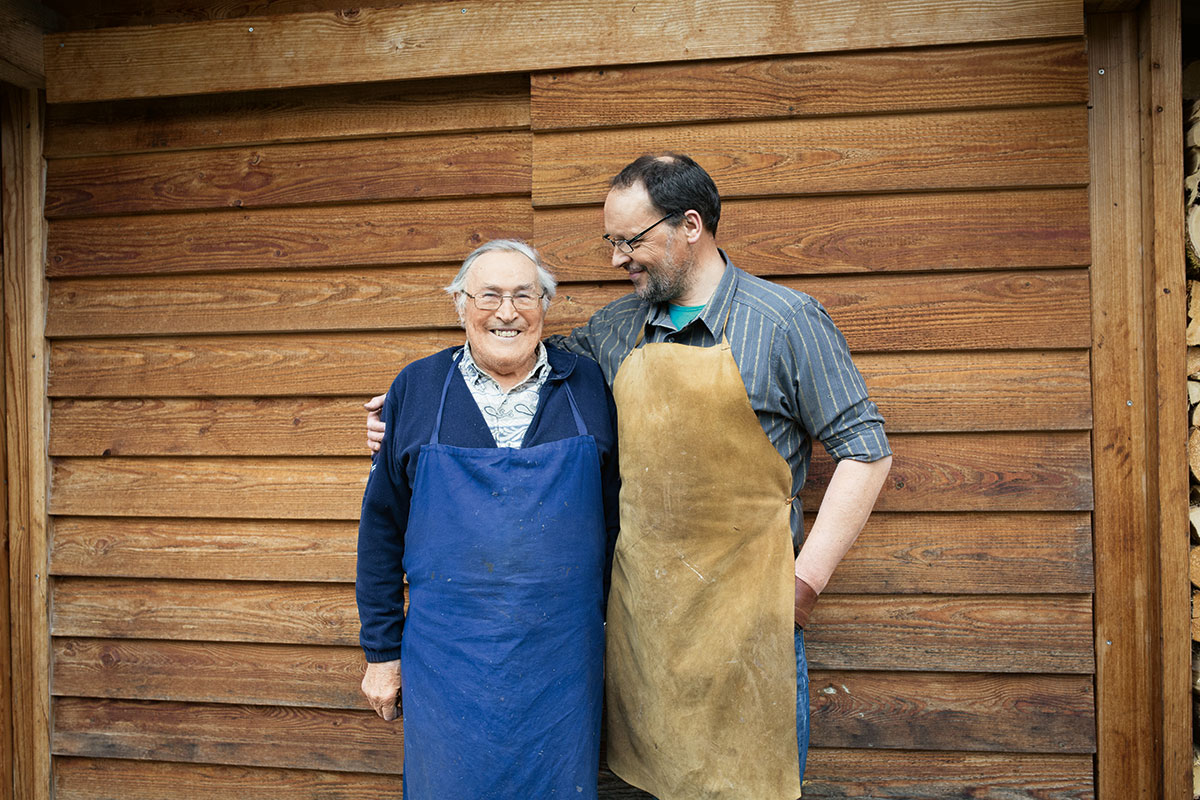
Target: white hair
{"x":546,"y":282}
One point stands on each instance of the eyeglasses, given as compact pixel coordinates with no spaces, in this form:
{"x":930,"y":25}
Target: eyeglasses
{"x":626,"y":245}
{"x":490,"y":301}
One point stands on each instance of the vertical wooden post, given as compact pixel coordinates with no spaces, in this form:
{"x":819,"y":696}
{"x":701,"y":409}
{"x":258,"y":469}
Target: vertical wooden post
{"x":1139,"y":405}
{"x":6,"y":708}
{"x":25,"y":435}
{"x":1161,"y":113}
{"x":1126,"y":605}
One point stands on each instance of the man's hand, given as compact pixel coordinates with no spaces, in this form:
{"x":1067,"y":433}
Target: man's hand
{"x":381,"y":685}
{"x":806,"y":598}
{"x":375,"y":425}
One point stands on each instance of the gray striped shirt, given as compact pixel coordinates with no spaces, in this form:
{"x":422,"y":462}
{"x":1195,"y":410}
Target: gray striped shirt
{"x":792,"y":358}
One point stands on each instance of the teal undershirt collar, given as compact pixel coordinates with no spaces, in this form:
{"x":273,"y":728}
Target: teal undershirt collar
{"x":682,"y":315}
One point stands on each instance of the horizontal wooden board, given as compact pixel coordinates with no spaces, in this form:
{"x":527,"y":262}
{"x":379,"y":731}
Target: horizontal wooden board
{"x":445,"y":105}
{"x":927,"y":311}
{"x":265,"y":736}
{"x":947,"y":775}
{"x":256,"y":488}
{"x":123,"y":13}
{"x":999,"y":553}
{"x":982,"y":76}
{"x":822,"y":155}
{"x":1018,"y":633}
{"x":252,"y":302}
{"x":426,"y":39}
{"x":1040,"y":309}
{"x":351,"y":171}
{"x":1044,"y":471}
{"x":379,"y":234}
{"x":958,"y":311}
{"x":217,"y":611}
{"x":311,"y":426}
{"x":832,"y":773}
{"x":975,"y":472}
{"x":209,"y":672}
{"x":1031,"y":714}
{"x":916,"y":392}
{"x":1001,"y":229}
{"x":949,"y":391}
{"x":127,"y":779}
{"x":246,"y":549}
{"x":256,"y":366}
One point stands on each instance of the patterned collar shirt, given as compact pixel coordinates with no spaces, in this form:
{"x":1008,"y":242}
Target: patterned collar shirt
{"x":507,"y":413}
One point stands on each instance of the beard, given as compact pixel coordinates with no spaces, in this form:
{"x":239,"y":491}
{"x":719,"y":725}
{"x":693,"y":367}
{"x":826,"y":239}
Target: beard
{"x":668,"y":280}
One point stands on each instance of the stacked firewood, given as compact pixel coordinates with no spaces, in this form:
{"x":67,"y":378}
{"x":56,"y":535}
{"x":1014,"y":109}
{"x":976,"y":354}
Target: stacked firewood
{"x":1191,"y":171}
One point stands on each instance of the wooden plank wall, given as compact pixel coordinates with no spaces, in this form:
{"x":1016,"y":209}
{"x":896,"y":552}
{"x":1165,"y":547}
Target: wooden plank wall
{"x":230,"y":276}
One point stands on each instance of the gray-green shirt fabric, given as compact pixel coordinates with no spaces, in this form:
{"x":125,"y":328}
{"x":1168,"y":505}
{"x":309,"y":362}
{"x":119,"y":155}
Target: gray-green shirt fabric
{"x":793,"y":360}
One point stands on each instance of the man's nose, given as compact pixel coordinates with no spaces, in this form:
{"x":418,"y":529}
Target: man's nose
{"x":620,"y":258}
{"x":507,"y":310}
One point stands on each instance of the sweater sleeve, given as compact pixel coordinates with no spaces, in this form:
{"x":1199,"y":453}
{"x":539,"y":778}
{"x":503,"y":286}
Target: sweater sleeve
{"x":379,"y":585}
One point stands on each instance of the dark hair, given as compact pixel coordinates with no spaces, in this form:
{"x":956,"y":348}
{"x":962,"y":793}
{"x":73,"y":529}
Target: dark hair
{"x":675,"y":184}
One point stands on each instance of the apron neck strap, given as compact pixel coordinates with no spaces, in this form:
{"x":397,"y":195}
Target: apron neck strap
{"x":641,"y":333}
{"x":725,"y":324}
{"x":437,"y":422}
{"x":580,"y":425}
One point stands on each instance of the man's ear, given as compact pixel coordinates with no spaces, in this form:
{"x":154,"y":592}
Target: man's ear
{"x":693,"y":225}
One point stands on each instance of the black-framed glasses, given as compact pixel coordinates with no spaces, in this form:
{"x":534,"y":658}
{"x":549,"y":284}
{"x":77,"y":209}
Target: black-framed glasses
{"x":490,"y":301}
{"x":626,"y":245}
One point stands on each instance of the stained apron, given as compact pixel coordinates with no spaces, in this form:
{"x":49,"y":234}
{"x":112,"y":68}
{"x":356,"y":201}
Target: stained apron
{"x":701,"y":665}
{"x":502,"y":653}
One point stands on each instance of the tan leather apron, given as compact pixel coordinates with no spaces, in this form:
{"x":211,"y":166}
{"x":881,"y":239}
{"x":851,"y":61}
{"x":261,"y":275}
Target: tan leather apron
{"x":700,"y":659}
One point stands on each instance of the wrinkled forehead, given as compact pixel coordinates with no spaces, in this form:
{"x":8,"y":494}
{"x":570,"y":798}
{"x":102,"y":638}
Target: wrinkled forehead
{"x":504,"y":270}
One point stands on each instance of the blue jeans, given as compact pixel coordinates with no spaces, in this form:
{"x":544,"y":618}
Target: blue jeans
{"x":802,"y":707}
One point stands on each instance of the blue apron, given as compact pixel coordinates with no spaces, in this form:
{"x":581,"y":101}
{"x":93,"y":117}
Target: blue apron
{"x":502,"y":657}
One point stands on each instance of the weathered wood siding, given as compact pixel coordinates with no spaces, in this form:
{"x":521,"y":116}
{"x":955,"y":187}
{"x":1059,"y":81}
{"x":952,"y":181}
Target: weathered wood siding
{"x":230,"y":276}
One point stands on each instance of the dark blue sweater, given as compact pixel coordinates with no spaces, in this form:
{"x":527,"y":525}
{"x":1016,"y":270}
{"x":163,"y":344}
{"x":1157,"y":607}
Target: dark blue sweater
{"x":410,"y":411}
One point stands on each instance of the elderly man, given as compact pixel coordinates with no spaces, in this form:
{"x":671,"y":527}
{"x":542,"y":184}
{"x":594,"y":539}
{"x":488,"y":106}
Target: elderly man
{"x":495,"y":493}
{"x":722,"y":382}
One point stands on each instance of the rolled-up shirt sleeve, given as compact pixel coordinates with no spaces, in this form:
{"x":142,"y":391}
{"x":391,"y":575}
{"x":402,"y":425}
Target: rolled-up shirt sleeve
{"x":826,"y":390}
{"x":379,"y":584}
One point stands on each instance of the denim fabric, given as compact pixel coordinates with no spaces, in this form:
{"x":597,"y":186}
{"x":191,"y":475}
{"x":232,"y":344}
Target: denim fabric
{"x":802,"y":707}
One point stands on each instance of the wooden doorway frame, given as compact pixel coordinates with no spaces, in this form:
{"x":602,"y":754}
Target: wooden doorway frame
{"x":1142,"y":605}
{"x":25,"y":451}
